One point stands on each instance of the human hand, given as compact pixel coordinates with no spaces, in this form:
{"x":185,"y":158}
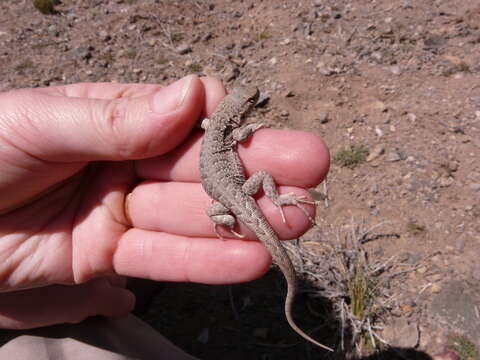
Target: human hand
{"x":70,"y":155}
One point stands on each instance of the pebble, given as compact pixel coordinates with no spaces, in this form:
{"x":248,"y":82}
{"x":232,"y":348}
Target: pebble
{"x":207,"y":36}
{"x":378,"y":131}
{"x":246,"y":44}
{"x":104,"y":36}
{"x":475,"y":100}
{"x":445,"y":181}
{"x":378,"y":150}
{"x":412,"y":117}
{"x":401,"y":333}
{"x":53,"y":29}
{"x":284,"y":113}
{"x":273,"y":61}
{"x":435,"y":288}
{"x":323,"y":117}
{"x":395,"y":70}
{"x":393,"y":156}
{"x":474,"y":186}
{"x":183,"y":49}
{"x":422,"y":270}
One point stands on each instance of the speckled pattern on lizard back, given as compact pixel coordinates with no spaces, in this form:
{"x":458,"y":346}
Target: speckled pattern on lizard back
{"x":224,"y":181}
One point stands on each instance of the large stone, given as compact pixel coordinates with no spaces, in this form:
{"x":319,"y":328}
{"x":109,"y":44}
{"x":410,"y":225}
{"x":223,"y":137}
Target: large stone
{"x":457,"y":306}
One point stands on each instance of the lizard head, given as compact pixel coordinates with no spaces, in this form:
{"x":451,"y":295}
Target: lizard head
{"x":243,"y":99}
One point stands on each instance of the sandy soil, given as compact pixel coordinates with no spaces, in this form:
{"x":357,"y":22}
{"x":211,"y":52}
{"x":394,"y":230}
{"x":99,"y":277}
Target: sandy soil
{"x":397,"y":78}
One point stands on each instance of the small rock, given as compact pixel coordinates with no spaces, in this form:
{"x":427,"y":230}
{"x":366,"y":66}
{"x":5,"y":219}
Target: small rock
{"x":445,"y":181}
{"x":196,"y":39}
{"x":475,"y":100}
{"x":284,"y":113}
{"x":323,"y":118}
{"x":378,"y":131}
{"x":207,"y":36}
{"x":246,"y":44}
{"x":380,"y":106}
{"x":307,"y":29}
{"x":406,"y":309}
{"x":474,"y":186}
{"x":393,"y":156}
{"x":273,"y":61}
{"x":435,"y":288}
{"x":434,"y":42}
{"x":395,"y":70}
{"x":401,"y":333}
{"x":422,"y":270}
{"x":53,"y":29}
{"x":83,"y":53}
{"x":412,"y":117}
{"x":456,"y":306}
{"x":452,"y":166}
{"x":183,"y":49}
{"x":104,"y":36}
{"x":289,"y":93}
{"x":378,"y":150}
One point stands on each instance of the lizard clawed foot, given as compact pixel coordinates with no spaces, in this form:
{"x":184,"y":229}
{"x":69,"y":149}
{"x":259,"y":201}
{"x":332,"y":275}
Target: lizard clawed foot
{"x":241,"y":236}
{"x":293,"y":199}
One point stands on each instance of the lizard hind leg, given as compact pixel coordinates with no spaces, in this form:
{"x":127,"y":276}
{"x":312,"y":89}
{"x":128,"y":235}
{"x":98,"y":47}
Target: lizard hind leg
{"x":264,"y":179}
{"x":220,"y":215}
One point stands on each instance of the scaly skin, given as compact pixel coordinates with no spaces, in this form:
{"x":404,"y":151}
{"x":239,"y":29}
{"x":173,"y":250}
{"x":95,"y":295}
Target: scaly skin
{"x":224,"y":181}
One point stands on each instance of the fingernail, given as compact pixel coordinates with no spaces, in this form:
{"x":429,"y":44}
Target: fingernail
{"x":171,"y":97}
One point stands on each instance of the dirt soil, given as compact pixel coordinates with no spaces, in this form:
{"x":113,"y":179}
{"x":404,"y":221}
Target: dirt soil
{"x":397,"y":78}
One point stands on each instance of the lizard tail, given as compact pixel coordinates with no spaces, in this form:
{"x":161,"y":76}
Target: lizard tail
{"x":288,"y":313}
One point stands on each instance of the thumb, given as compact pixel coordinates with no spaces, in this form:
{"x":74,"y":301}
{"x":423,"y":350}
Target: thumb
{"x":80,"y":123}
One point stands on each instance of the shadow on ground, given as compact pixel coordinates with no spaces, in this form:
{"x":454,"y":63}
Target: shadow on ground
{"x":246,"y":321}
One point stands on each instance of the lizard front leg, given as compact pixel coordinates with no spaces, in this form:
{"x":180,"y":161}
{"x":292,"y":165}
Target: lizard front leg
{"x":221,"y":215}
{"x":264,"y":179}
{"x":242,"y":133}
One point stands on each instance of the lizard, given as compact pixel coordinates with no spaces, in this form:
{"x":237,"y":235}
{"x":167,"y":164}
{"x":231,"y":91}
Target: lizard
{"x":223,"y":179}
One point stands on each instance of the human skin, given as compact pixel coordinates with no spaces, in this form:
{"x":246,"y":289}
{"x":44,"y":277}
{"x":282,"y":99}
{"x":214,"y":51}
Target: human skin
{"x":100,"y":181}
